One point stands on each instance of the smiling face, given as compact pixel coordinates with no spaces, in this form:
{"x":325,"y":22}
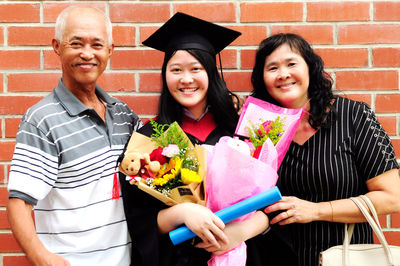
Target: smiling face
{"x":286,"y":77}
{"x":187,"y":81}
{"x":84,"y":50}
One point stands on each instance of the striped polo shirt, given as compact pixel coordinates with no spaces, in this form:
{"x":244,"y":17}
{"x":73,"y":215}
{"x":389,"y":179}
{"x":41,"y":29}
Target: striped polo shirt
{"x":63,"y":164}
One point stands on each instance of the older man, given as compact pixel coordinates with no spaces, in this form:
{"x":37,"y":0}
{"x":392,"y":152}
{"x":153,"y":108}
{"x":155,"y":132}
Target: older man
{"x":65,"y":155}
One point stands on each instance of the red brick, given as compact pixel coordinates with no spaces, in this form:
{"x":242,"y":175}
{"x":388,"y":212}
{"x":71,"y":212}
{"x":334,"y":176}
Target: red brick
{"x":117,"y":81}
{"x":136,"y":59}
{"x":387,"y":103}
{"x":389,"y":124}
{"x":214,"y":12}
{"x":238,"y":81}
{"x":16,"y":104}
{"x":382,"y":221}
{"x":150,"y":82}
{"x":13,"y":260}
{"x":251,"y":35}
{"x":142,"y":105}
{"x":366,"y":98}
{"x":52,"y":10}
{"x":396,"y":146}
{"x":32,"y":81}
{"x":20,"y":12}
{"x":347,"y":57}
{"x":8,"y":243}
{"x":395,"y":220}
{"x":386,"y":57}
{"x":228,"y":58}
{"x":338,"y":11}
{"x":4,"y":220}
{"x":366,"y":33}
{"x":247,"y":58}
{"x":393,"y":238}
{"x":6,"y":152}
{"x":367,"y":80}
{"x":51,"y":60}
{"x":2,"y":173}
{"x":21,"y":59}
{"x":124,"y":35}
{"x":387,"y":11}
{"x":271,"y":12}
{"x":12,"y":125}
{"x":30,"y":35}
{"x":1,"y":82}
{"x":314,"y":34}
{"x":3,"y":196}
{"x":139,"y":12}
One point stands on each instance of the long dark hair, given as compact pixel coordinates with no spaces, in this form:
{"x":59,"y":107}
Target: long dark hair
{"x":320,"y":87}
{"x":219,"y":98}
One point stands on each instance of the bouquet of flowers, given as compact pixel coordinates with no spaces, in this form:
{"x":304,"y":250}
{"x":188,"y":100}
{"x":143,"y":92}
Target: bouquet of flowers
{"x":258,"y":134}
{"x":166,"y":165}
{"x":239,"y":169}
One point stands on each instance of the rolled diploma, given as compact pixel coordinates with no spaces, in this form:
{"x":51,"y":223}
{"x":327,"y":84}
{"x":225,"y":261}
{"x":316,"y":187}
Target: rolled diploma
{"x":232,"y":212}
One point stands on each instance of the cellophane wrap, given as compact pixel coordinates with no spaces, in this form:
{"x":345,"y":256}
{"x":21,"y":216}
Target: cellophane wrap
{"x":233,"y":176}
{"x":194,"y":192}
{"x":255,"y":109}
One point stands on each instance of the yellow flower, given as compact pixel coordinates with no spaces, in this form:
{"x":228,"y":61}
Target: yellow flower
{"x":189,"y":176}
{"x":175,"y":166}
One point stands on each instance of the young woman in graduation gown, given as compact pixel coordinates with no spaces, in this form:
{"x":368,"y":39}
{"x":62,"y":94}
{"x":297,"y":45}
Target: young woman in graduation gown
{"x":195,"y":96}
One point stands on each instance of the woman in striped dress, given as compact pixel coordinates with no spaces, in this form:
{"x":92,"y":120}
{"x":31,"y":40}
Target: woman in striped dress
{"x":339,"y":151}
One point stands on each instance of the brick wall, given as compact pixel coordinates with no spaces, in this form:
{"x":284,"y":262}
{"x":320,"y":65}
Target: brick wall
{"x":358,"y":40}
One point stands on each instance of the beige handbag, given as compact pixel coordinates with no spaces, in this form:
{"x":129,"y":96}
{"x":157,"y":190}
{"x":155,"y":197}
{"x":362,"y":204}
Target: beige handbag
{"x":362,"y":254}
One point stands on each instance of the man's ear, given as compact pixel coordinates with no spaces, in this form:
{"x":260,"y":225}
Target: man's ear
{"x":56,"y":46}
{"x":111,"y":49}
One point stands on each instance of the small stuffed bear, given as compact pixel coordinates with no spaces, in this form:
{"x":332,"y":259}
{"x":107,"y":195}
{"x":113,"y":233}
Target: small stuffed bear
{"x":135,"y":163}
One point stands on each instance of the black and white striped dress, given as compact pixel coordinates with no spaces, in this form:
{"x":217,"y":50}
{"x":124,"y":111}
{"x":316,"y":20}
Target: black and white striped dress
{"x":333,"y":164}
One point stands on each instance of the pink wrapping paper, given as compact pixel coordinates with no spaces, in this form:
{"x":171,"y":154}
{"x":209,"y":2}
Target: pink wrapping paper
{"x":234,"y":175}
{"x":254,"y":109}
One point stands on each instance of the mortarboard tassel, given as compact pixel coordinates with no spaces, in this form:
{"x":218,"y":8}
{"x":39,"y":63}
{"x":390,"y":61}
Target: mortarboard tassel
{"x":115,"y":189}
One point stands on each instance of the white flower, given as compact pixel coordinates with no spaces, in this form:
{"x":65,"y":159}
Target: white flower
{"x":171,"y":150}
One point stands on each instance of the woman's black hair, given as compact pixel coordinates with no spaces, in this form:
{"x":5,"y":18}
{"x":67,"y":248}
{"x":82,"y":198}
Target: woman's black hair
{"x":320,"y":86}
{"x":219,"y":98}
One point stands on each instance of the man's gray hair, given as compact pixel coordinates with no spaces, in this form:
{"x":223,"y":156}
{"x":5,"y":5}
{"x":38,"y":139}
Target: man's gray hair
{"x":61,"y":21}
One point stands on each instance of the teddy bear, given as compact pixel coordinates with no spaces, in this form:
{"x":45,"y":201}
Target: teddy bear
{"x":139,"y":164}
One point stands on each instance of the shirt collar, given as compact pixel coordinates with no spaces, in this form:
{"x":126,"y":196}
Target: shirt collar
{"x":72,"y":104}
{"x":187,"y":113}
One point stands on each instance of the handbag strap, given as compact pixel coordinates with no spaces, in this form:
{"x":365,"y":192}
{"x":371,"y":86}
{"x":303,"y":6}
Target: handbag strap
{"x":374,"y":223}
{"x":371,"y":209}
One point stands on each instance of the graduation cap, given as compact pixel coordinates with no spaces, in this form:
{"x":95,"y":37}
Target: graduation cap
{"x":182,"y":32}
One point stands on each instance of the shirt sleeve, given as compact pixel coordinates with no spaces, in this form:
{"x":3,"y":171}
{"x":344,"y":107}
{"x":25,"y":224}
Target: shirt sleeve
{"x":373,"y":148}
{"x":34,"y":166}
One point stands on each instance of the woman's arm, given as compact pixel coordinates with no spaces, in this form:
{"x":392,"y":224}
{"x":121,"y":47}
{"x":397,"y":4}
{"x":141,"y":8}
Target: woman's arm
{"x":384,"y":192}
{"x":239,"y":231}
{"x":199,"y":219}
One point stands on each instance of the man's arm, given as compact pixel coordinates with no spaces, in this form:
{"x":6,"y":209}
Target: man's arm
{"x":19,"y":215}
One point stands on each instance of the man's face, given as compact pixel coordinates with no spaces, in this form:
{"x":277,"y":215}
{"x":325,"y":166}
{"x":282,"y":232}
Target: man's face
{"x":84,"y":50}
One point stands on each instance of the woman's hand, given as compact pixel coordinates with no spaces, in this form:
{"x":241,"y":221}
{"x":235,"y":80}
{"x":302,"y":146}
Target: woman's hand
{"x":294,"y":210}
{"x":239,"y":231}
{"x":234,"y":239}
{"x":205,"y":224}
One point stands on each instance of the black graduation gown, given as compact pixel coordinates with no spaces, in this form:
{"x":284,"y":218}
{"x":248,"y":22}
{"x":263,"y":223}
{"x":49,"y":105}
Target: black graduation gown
{"x":141,"y":210}
{"x":150,"y":248}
